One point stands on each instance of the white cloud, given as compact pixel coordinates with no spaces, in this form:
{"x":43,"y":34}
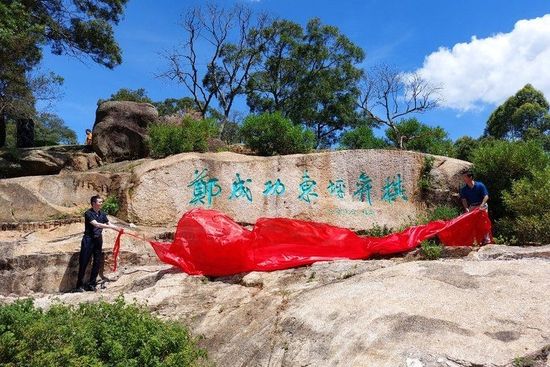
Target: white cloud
{"x":489,"y":70}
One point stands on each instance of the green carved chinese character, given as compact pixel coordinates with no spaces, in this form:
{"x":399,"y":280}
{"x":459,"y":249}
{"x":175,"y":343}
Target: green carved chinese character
{"x":204,"y":188}
{"x":239,"y":188}
{"x":337,"y":188}
{"x":307,"y":188}
{"x":364,"y":186}
{"x":393,"y":189}
{"x":274,"y":188}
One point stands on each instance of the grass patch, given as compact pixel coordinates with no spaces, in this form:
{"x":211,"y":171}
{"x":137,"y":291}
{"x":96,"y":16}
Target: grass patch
{"x":431,"y":250}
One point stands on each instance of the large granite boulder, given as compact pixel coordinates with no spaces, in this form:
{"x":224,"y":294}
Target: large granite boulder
{"x":120,"y":130}
{"x":355,"y":189}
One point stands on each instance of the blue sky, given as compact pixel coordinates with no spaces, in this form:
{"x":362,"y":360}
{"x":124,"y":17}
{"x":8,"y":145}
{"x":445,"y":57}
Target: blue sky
{"x":479,"y":51}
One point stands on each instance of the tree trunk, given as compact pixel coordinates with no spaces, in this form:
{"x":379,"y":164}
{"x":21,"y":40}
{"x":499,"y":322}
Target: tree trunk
{"x":3,"y":120}
{"x":25,"y":133}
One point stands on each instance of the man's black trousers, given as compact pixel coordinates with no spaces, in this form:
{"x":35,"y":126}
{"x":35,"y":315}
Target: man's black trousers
{"x":89,"y":247}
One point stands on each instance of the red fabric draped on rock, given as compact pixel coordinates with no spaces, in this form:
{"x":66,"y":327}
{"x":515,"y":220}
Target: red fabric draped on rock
{"x":208,"y":242}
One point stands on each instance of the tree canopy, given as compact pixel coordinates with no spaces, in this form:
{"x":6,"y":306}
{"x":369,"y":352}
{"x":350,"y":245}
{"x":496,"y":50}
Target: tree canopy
{"x":76,"y":28}
{"x":125,"y":94}
{"x":362,"y":137}
{"x":310,"y":75}
{"x":413,"y":135}
{"x":387,"y":95}
{"x":521,"y":116}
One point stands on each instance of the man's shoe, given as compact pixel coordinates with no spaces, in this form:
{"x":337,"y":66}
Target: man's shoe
{"x":91,"y":288}
{"x":79,"y":290}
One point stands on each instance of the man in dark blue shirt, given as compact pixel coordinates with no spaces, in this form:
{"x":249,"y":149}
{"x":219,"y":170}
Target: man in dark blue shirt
{"x":474,"y":194}
{"x":92,"y":243}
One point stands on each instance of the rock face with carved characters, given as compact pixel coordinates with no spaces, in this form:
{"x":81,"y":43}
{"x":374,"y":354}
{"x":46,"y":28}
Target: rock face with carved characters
{"x":459,"y":311}
{"x":353,"y":189}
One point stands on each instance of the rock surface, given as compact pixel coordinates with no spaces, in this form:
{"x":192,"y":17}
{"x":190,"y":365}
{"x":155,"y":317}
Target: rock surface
{"x":41,"y":198}
{"x":47,"y":161}
{"x":353,"y":189}
{"x":120,"y":130}
{"x":487,"y":309}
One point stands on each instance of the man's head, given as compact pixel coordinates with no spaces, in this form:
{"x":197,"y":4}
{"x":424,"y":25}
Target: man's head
{"x":468,"y":176}
{"x":88,"y":131}
{"x":96,"y":201}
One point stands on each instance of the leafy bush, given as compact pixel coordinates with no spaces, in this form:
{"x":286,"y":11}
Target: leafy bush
{"x":190,"y":136}
{"x":100,"y":334}
{"x":111,"y":205}
{"x":498,"y":163}
{"x":528,"y":201}
{"x":271,"y":133}
{"x":362,"y":137}
{"x":431,"y":250}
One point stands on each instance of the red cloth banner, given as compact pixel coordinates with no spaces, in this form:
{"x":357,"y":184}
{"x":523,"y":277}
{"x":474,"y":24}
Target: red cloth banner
{"x":208,"y":242}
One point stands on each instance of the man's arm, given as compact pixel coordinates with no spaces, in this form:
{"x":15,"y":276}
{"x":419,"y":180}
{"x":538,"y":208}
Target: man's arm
{"x":465,"y":205}
{"x":484,"y":202}
{"x":107,"y":225}
{"x":485,"y":196}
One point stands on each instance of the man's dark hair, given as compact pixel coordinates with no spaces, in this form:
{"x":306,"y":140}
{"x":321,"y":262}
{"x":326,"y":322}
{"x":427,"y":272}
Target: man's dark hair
{"x":94,"y":199}
{"x":468,"y":172}
{"x":88,"y":131}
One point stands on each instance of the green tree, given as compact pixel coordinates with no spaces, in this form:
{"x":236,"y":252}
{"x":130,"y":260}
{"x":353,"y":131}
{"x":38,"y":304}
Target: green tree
{"x":464,"y":146}
{"x":362,"y":137}
{"x":125,"y":94}
{"x":174,"y":106}
{"x":413,"y":135}
{"x":498,"y":163}
{"x":18,"y":56}
{"x":93,"y":334}
{"x":310,"y":75}
{"x":271,"y":133}
{"x":51,"y":130}
{"x":230,"y":42}
{"x":527,"y":110}
{"x":72,"y":27}
{"x":388,"y":95}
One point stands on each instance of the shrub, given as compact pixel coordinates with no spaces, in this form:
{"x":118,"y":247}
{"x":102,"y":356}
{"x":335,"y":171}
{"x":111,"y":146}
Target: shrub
{"x":111,"y":205}
{"x":431,"y":250}
{"x":190,"y":136}
{"x":498,"y":163}
{"x":271,"y":133}
{"x":528,"y":201}
{"x":99,"y":334}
